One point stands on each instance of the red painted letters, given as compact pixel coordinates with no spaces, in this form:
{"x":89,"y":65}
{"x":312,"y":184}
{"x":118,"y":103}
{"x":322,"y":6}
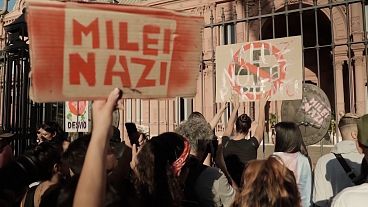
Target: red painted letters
{"x":78,"y":66}
{"x":124,"y":44}
{"x":147,"y":30}
{"x":78,"y":29}
{"x":133,"y":52}
{"x":143,"y":81}
{"x":124,"y":75}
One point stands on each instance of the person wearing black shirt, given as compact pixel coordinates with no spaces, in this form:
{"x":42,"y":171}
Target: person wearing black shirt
{"x":237,"y":150}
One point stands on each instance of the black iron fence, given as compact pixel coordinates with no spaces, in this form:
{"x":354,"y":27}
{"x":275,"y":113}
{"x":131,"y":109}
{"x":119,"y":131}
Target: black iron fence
{"x":19,"y":115}
{"x":334,"y":35}
{"x":334,"y":53}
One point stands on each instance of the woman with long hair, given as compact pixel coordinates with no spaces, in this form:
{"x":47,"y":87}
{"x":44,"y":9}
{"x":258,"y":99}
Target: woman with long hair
{"x":290,"y":147}
{"x":157,"y":167}
{"x":268,"y":183}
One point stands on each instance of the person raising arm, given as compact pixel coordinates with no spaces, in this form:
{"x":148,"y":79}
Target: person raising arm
{"x":237,"y":150}
{"x":92,"y":183}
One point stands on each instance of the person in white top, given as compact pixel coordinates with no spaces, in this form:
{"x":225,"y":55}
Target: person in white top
{"x":329,"y":176}
{"x":290,"y":147}
{"x":352,"y":197}
{"x":357,"y":196}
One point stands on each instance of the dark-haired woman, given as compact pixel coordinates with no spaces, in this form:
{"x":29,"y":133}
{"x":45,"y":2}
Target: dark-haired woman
{"x":239,"y":149}
{"x":157,"y":167}
{"x":290,"y":147}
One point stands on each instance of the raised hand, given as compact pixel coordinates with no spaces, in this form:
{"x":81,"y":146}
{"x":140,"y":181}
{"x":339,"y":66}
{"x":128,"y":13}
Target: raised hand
{"x":134,"y":162}
{"x":261,"y":117}
{"x":89,"y":193}
{"x":264,"y":99}
{"x":235,"y":100}
{"x":102,"y":111}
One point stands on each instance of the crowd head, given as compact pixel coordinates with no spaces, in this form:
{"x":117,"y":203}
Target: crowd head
{"x":196,"y":114}
{"x":268,"y":183}
{"x":74,"y":156}
{"x":288,"y":138}
{"x":157,"y":167}
{"x":348,"y":126}
{"x":199,"y":133}
{"x":243,"y":124}
{"x":160,"y":166}
{"x":50,"y":131}
{"x":37,"y":164}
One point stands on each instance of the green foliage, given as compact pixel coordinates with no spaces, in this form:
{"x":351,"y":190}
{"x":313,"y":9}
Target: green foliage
{"x":273,"y":119}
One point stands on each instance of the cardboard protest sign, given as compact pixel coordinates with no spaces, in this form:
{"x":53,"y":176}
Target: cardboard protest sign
{"x":251,"y":68}
{"x":76,"y":116}
{"x":81,"y":51}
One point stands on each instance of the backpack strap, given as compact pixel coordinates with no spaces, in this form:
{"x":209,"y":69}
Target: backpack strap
{"x":346,"y":167}
{"x":29,"y":200}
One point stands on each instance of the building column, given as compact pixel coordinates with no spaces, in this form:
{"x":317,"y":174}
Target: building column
{"x":360,"y":80}
{"x":340,"y":103}
{"x":356,"y":13}
{"x":209,"y":90}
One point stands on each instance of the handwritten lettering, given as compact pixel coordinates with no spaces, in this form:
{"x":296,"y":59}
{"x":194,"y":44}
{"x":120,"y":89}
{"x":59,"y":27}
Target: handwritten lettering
{"x":115,"y":51}
{"x":79,"y":29}
{"x":315,"y":110}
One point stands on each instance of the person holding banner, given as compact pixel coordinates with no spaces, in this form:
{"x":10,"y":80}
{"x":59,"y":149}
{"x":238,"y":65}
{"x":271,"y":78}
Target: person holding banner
{"x":237,"y":149}
{"x":212,"y":146}
{"x":214,"y":121}
{"x":209,"y":186}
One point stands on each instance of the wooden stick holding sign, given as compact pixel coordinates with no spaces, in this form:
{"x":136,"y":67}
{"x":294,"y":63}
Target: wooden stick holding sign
{"x":81,"y":51}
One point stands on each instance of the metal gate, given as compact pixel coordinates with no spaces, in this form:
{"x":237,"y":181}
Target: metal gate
{"x":334,"y":37}
{"x":19,"y":115}
{"x":334,"y":55}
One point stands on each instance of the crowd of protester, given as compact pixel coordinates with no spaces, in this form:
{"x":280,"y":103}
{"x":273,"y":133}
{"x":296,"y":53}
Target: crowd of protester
{"x":188,"y":167}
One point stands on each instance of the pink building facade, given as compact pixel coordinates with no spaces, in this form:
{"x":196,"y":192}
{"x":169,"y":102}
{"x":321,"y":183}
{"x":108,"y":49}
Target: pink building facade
{"x":334,"y":46}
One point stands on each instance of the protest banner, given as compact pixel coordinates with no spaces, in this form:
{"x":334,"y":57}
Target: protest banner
{"x":251,"y":68}
{"x":76,"y":116}
{"x":81,"y":51}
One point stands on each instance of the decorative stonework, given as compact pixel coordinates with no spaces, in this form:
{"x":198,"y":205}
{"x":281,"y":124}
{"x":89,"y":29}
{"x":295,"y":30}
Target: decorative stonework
{"x":199,"y":10}
{"x":355,"y":23}
{"x":359,"y":58}
{"x":339,"y":63}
